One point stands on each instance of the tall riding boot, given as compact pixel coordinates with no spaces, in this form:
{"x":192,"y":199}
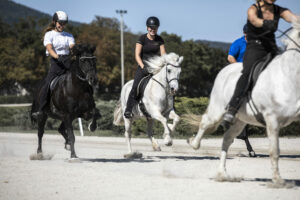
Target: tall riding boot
{"x":42,"y":101}
{"x":130,"y":103}
{"x":228,"y":118}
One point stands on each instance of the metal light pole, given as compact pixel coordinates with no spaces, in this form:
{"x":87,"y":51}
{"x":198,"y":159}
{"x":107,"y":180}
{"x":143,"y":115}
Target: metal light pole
{"x":121,"y":12}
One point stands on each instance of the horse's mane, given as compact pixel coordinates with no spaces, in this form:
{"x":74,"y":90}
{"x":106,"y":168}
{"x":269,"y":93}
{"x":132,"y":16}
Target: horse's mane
{"x":293,"y":35}
{"x":156,"y":63}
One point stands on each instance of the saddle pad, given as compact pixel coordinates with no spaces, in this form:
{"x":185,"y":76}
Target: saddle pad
{"x":142,"y":85}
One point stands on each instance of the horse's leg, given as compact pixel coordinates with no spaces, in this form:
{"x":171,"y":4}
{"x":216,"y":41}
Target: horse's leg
{"x":41,"y":127}
{"x":96,"y":115}
{"x":167,"y":138}
{"x":71,"y":137}
{"x":244,"y":136}
{"x":249,"y":148}
{"x":175,"y":119}
{"x":273,"y":131}
{"x":154,"y":142}
{"x":228,"y":138}
{"x":62,"y":131}
{"x":128,"y":123}
{"x":206,"y":123}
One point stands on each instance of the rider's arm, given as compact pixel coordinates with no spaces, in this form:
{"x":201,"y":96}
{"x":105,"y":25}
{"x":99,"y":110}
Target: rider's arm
{"x":52,"y":53}
{"x":231,"y":59}
{"x":288,"y":16}
{"x":253,"y":18}
{"x":162,"y":49}
{"x":138,"y":51}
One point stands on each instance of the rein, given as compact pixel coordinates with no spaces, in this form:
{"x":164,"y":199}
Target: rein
{"x":285,"y":33}
{"x":168,"y":81}
{"x":80,"y":58}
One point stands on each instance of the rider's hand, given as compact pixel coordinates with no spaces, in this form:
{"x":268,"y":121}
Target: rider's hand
{"x":270,"y":25}
{"x":64,"y":60}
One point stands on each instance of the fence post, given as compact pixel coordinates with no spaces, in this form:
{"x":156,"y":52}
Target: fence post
{"x":80,"y":127}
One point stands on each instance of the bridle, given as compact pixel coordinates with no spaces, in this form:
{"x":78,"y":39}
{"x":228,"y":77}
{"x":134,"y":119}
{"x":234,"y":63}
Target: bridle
{"x":167,"y":88}
{"x":80,"y":58}
{"x":285,"y":33}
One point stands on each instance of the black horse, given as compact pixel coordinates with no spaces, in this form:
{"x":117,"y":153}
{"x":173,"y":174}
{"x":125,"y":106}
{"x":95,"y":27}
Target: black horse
{"x":71,"y":97}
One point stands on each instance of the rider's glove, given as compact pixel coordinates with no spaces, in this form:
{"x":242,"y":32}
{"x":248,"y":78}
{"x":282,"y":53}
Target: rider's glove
{"x":270,"y":25}
{"x":65,"y":61}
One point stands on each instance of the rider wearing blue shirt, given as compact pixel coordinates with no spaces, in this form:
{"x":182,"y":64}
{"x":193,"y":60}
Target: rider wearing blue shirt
{"x":238,"y":48}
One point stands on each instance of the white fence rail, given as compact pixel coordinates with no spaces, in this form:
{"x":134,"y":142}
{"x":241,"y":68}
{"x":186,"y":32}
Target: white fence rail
{"x":29,"y":104}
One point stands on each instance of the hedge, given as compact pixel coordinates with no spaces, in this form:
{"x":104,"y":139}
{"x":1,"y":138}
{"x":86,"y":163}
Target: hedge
{"x":18,"y":117}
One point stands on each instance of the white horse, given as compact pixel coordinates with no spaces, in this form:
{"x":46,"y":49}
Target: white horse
{"x":157,"y":98}
{"x":276,"y":96}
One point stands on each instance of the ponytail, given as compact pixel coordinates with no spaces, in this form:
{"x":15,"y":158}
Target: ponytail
{"x":50,"y":27}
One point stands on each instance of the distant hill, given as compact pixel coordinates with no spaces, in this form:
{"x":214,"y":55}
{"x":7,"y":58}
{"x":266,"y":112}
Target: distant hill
{"x":11,"y":12}
{"x":219,"y":45}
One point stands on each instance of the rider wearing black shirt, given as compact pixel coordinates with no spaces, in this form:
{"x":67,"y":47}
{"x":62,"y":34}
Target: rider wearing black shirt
{"x":148,"y":45}
{"x":262,"y":22}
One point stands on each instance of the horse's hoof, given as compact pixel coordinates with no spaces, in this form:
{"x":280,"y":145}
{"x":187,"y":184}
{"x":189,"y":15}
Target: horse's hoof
{"x":280,"y":183}
{"x":252,"y":154}
{"x":41,"y":156}
{"x":68,"y":147}
{"x":190,"y":141}
{"x":74,"y":160}
{"x":134,"y":155}
{"x":168,"y":141}
{"x":156,"y":148}
{"x":92,"y":127}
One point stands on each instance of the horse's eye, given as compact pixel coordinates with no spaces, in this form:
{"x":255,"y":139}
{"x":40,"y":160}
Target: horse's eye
{"x":169,"y":70}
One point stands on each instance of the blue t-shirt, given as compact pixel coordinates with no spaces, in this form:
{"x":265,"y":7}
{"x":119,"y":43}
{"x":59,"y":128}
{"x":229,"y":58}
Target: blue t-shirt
{"x":238,"y":48}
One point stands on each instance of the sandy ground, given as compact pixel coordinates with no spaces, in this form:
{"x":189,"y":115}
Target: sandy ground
{"x":178,"y":172}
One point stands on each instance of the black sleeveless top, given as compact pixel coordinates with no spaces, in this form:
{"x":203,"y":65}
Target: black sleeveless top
{"x":255,"y":33}
{"x":150,"y":47}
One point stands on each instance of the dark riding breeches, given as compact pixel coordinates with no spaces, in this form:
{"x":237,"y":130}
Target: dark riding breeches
{"x":254,"y":52}
{"x":132,"y":98}
{"x":55,"y":70}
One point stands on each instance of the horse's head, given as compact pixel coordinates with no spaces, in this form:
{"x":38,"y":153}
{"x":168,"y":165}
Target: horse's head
{"x":86,"y":63}
{"x":293,"y":37}
{"x":170,"y":64}
{"x":173,"y":69}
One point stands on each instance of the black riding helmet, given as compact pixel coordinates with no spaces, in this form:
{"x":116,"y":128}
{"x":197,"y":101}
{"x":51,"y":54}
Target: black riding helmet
{"x":60,"y":16}
{"x":152,"y":21}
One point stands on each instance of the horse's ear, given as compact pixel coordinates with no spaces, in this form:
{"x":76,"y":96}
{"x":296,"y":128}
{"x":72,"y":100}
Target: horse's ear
{"x":180,"y":60}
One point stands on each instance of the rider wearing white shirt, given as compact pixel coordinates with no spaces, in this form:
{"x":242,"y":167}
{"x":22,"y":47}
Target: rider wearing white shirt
{"x":58,"y":44}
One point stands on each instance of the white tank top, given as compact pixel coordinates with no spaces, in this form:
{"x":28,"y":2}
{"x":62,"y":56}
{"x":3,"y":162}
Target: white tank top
{"x":60,"y":41}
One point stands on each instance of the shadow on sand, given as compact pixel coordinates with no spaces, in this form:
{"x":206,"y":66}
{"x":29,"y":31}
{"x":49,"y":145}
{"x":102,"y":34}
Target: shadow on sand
{"x":117,"y":160}
{"x":185,"y":157}
{"x":281,"y":156}
{"x":294,"y":182}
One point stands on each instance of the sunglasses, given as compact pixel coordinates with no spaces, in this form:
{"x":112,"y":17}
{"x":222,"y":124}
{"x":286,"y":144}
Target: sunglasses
{"x":62,"y":23}
{"x":153,"y":27}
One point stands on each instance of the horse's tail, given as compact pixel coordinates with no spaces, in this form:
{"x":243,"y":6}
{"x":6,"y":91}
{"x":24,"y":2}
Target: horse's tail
{"x":118,"y":115}
{"x":192,"y":119}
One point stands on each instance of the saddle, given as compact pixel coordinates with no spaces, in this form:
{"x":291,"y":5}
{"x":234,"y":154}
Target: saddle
{"x":140,"y":93}
{"x":55,"y":81}
{"x":258,"y":68}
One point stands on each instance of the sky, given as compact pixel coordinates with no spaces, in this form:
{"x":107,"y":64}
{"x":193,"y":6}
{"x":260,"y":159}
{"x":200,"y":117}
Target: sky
{"x":214,"y":20}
